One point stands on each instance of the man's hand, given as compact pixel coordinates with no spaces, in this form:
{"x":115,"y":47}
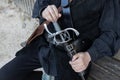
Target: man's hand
{"x":51,"y":13}
{"x":80,"y":61}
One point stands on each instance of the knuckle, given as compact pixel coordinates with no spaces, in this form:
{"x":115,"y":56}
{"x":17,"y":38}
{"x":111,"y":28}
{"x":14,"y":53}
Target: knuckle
{"x":49,"y":7}
{"x":84,"y":66}
{"x":52,"y":5}
{"x":82,"y":63}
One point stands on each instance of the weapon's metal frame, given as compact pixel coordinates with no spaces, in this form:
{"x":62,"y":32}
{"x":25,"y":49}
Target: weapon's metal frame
{"x":64,"y":33}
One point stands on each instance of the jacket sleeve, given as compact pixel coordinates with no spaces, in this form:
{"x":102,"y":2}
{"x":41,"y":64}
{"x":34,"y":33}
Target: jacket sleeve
{"x":117,"y":23}
{"x":104,"y":44}
{"x":38,"y":7}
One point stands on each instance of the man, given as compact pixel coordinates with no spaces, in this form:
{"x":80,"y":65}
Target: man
{"x":92,"y":18}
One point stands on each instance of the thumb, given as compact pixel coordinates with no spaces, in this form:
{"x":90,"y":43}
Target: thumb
{"x":75,"y":57}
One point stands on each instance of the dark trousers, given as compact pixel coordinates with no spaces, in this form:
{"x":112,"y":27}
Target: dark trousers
{"x":27,"y":59}
{"x":21,"y":68}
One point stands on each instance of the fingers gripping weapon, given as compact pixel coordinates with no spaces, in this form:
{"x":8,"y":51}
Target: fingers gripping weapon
{"x":62,"y":37}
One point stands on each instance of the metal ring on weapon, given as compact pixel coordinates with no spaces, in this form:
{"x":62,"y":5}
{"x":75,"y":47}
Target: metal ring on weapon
{"x":74,"y":30}
{"x":65,"y":37}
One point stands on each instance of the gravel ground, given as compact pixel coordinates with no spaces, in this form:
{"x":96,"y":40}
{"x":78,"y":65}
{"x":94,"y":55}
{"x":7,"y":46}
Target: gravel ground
{"x":15,"y":27}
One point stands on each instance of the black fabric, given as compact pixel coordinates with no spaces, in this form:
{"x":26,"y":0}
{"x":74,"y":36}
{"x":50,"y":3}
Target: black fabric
{"x":117,"y":23}
{"x":47,"y":57}
{"x":35,"y":75}
{"x":94,"y":19}
{"x":117,"y":45}
{"x":24,"y":63}
{"x":104,"y":45}
{"x":86,"y":16}
{"x":20,"y":67}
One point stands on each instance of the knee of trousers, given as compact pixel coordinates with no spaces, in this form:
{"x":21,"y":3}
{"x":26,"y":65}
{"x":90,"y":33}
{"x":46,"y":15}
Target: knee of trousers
{"x":5,"y":76}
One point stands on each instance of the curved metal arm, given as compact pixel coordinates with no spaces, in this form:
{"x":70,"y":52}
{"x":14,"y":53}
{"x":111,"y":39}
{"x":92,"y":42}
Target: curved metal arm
{"x":74,"y":30}
{"x":63,"y":34}
{"x":45,"y":25}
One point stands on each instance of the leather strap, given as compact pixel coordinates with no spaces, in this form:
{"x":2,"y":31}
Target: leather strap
{"x":39,"y":31}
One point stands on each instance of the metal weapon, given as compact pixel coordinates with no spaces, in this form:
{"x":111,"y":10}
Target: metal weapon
{"x":64,"y":39}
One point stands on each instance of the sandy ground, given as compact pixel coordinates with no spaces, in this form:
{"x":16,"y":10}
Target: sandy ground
{"x":15,"y":27}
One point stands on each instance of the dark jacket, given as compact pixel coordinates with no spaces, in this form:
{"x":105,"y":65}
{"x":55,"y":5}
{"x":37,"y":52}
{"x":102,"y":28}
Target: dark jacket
{"x":95,"y":20}
{"x":117,"y":24}
{"x":95,"y":13}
